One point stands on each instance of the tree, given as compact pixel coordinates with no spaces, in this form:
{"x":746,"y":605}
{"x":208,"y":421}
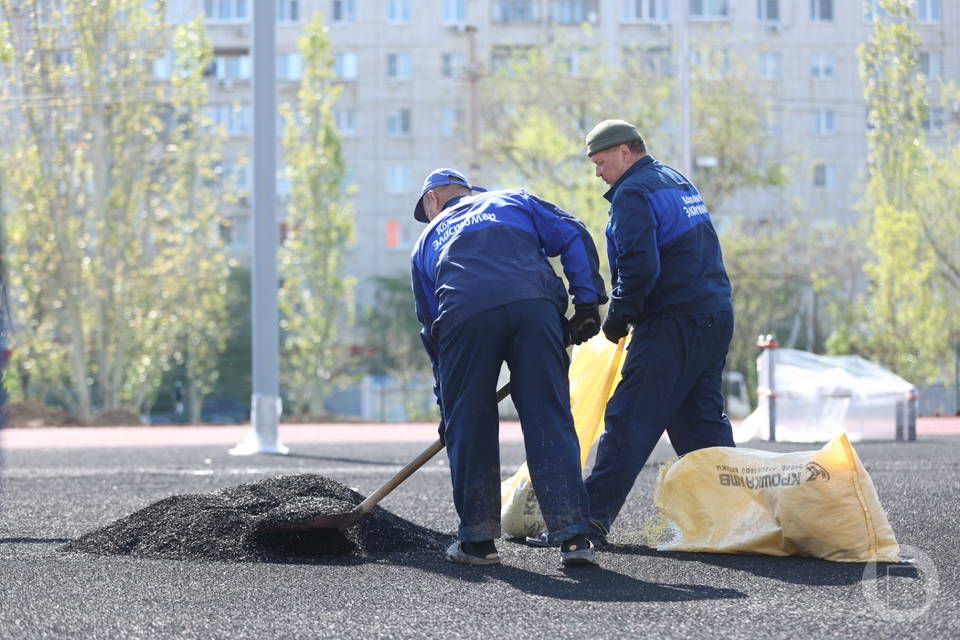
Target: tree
{"x":906,"y":317}
{"x":314,"y":298}
{"x":537,"y":107}
{"x":102,"y":219}
{"x":394,"y":332}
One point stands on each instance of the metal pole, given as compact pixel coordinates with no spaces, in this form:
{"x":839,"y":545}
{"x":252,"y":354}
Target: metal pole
{"x":956,"y":379}
{"x":473,"y":74}
{"x":265,"y":401}
{"x":769,"y":345}
{"x":683,"y":73}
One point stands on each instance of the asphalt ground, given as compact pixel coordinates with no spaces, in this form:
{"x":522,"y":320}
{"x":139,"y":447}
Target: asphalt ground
{"x":52,"y":495}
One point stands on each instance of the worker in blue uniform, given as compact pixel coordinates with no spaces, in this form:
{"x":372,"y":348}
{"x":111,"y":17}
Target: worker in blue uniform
{"x":668,"y":283}
{"x":486,"y":294}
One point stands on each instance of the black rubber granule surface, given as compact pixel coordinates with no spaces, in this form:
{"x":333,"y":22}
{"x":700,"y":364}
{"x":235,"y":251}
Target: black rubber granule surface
{"x":231,"y":524}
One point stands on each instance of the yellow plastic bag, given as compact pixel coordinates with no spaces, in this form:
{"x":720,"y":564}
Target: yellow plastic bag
{"x":811,"y":503}
{"x":594,"y":373}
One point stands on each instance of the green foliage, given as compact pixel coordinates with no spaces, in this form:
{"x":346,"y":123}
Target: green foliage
{"x":393,"y":331}
{"x":315,"y":298}
{"x":110,"y":234}
{"x":536,"y":112}
{"x":907,"y":318}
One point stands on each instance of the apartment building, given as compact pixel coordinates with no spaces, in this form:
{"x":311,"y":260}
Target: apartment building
{"x":409,"y":69}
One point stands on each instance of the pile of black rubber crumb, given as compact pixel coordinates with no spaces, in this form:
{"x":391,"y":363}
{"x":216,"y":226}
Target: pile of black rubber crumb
{"x":234,"y":525}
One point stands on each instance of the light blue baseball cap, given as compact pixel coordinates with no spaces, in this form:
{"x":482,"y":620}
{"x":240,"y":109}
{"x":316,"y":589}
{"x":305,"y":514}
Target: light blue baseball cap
{"x":439,"y":178}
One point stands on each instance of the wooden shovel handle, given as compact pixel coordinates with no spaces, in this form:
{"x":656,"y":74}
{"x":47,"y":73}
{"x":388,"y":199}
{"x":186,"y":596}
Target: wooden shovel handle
{"x":412,"y":466}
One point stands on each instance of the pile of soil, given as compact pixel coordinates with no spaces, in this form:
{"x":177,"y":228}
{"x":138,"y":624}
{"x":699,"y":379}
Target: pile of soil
{"x":33,"y":414}
{"x":232,"y":525}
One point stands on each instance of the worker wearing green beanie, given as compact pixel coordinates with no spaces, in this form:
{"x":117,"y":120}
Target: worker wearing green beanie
{"x":669,"y":284}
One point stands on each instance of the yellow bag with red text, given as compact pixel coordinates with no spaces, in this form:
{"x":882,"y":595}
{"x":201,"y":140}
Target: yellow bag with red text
{"x":810,"y":503}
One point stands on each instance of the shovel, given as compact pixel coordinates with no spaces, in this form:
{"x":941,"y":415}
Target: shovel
{"x":350,"y":518}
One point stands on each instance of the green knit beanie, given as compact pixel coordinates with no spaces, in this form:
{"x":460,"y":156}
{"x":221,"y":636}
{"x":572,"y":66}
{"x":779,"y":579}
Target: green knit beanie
{"x":611,"y":133}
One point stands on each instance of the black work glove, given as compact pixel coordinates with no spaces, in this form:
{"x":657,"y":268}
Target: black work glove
{"x":614,"y":329}
{"x":584,"y":324}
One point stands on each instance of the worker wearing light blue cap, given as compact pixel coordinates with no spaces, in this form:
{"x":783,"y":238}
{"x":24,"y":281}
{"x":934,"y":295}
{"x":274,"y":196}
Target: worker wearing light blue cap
{"x":486,"y":294}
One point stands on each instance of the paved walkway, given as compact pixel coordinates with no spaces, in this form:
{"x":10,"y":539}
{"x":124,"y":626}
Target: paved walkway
{"x":76,"y":437}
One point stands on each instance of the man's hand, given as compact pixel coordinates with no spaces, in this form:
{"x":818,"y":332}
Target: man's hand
{"x":584,"y":324}
{"x":614,"y":329}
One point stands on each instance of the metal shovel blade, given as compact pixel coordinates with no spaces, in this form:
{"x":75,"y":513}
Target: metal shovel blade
{"x":350,"y":518}
{"x":328,"y":521}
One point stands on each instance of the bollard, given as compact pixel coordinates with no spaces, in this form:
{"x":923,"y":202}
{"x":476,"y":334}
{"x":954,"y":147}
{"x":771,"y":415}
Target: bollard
{"x":769,"y":345}
{"x":900,"y":411}
{"x":911,"y":417}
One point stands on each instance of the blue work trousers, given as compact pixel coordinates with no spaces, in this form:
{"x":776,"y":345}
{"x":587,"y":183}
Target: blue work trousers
{"x":529,"y":336}
{"x":672,"y":380}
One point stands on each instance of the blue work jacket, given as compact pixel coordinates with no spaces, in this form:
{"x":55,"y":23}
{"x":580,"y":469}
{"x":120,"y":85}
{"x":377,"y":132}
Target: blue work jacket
{"x":664,"y":253}
{"x":491,"y":249}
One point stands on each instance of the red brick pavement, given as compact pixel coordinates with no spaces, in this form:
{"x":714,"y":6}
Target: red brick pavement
{"x":76,"y":437}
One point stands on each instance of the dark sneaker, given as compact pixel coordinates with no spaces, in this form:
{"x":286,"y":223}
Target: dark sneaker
{"x":478,"y":553}
{"x":577,"y":552}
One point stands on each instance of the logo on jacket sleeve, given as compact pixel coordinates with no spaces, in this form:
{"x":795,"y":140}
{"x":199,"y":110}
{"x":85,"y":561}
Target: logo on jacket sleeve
{"x":694,"y":206}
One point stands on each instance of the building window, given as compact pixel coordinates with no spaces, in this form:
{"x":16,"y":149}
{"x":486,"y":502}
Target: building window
{"x":288,"y":10}
{"x":573,"y":11}
{"x":928,"y":10}
{"x":179,"y":11}
{"x":825,"y":176}
{"x":773,"y":123}
{"x":163,"y":66}
{"x":231,"y":67}
{"x":768,"y":10}
{"x":453,"y":64}
{"x":873,"y":10}
{"x":821,"y":10}
{"x":503,"y":57}
{"x":398,"y":65}
{"x":225,"y":10}
{"x":709,"y":9}
{"x":345,"y":66}
{"x":289,"y":66}
{"x":571,"y":61}
{"x":398,"y":122}
{"x":396,"y":235}
{"x":344,"y":11}
{"x":515,"y":11}
{"x":454,"y":11}
{"x":771,"y":65}
{"x":823,"y":121}
{"x":933,"y":120}
{"x":398,"y":11}
{"x":646,"y":10}
{"x":821,"y":65}
{"x":931,"y":64}
{"x":234,"y":118}
{"x":398,"y":179}
{"x":346,"y":121}
{"x":656,"y":60}
{"x":451,"y":121}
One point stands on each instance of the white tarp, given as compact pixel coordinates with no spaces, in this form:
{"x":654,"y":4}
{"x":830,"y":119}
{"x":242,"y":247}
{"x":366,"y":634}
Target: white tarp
{"x":820,"y":397}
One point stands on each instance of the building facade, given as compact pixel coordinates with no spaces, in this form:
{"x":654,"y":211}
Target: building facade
{"x":410,"y":69}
